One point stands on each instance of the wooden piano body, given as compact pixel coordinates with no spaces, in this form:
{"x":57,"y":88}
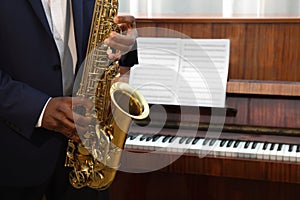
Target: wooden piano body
{"x":264,"y":88}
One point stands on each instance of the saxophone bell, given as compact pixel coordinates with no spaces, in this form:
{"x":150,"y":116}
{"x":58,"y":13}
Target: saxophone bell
{"x":127,"y":105}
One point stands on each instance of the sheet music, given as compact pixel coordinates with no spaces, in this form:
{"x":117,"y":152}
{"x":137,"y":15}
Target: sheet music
{"x":182,"y":71}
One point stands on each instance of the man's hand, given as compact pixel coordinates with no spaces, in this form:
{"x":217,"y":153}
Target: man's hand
{"x":125,"y":41}
{"x":59,"y":116}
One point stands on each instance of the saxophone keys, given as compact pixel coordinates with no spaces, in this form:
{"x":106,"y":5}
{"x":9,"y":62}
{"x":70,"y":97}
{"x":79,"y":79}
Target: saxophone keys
{"x":82,"y":150}
{"x":88,"y":135}
{"x":109,"y":50}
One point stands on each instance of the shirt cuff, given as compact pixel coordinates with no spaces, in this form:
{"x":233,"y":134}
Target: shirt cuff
{"x":39,"y":123}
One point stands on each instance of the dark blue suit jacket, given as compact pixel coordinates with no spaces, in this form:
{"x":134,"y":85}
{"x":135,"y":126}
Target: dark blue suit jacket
{"x":29,"y":74}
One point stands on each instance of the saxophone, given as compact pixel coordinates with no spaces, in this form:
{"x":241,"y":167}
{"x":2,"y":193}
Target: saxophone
{"x":96,"y":159}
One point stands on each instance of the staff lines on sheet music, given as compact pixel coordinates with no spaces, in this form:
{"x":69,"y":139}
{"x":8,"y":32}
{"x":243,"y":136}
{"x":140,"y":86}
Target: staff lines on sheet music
{"x":205,"y":75}
{"x":171,"y":59}
{"x":149,"y":77}
{"x":150,"y":85}
{"x":157,"y":79}
{"x":158,"y":94}
{"x":193,"y":55}
{"x":166,"y":97}
{"x":196,"y":43}
{"x":203,"y":84}
{"x":157,"y":54}
{"x":201,"y":69}
{"x":153,"y":43}
{"x":204,"y":94}
{"x":190,"y":58}
{"x":206,"y":50}
{"x":201,"y":89}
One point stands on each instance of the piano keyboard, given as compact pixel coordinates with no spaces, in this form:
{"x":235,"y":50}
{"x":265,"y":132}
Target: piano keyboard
{"x":215,"y":147}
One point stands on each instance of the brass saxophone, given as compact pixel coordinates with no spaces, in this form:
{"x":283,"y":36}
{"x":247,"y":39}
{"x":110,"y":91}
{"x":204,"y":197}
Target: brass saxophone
{"x":96,"y":159}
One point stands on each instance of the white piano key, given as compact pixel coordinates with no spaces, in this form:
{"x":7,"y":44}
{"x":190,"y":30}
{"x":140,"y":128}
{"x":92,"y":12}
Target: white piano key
{"x":292,"y":154}
{"x":196,"y":147}
{"x":286,"y":153}
{"x":127,"y":142}
{"x":130,"y":143}
{"x":140,"y":142}
{"x":258,"y":146}
{"x":147,"y":142}
{"x":212,"y":145}
{"x":297,"y":154}
{"x":241,"y":150}
{"x":252,"y":152}
{"x":236,"y":149}
{"x":136,"y":143}
{"x":175,"y":146}
{"x":281,"y":153}
{"x":260,"y":151}
{"x":273,"y":153}
{"x":202,"y":147}
{"x":187,"y":144}
{"x":160,"y":145}
{"x":247,"y":149}
{"x":152,"y":143}
{"x":266,"y":152}
{"x":220,"y":150}
{"x":230,"y":148}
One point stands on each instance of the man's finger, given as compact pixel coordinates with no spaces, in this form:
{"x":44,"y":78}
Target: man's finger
{"x":127,"y":19}
{"x":78,"y":102}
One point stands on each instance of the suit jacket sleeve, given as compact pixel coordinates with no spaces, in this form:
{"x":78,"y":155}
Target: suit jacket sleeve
{"x":20,"y":105}
{"x":129,"y":59}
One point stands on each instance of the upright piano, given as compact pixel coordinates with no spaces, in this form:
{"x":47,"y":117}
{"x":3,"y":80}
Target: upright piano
{"x":257,"y":153}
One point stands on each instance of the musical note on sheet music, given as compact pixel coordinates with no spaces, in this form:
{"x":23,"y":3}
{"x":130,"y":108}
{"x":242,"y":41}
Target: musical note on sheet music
{"x":182,"y":71}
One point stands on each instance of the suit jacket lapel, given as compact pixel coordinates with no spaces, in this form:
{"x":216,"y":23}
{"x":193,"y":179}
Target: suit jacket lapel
{"x":39,"y":10}
{"x":78,"y":15}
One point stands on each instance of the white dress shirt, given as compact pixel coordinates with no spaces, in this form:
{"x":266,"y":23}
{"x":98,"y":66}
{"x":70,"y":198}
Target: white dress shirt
{"x":56,"y":11}
{"x":56,"y":15}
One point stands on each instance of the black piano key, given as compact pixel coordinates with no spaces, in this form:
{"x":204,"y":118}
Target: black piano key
{"x":265,"y":145}
{"x":236,"y":144}
{"x":195,"y":140}
{"x":298,"y":148}
{"x":254,"y":145}
{"x":149,"y":138}
{"x":279,"y":147}
{"x":212,"y":142}
{"x":223,"y":143}
{"x":182,"y":140}
{"x":189,"y":140}
{"x":230,"y":143}
{"x":291,"y":147}
{"x":131,"y":136}
{"x":247,"y":144}
{"x":143,"y":137}
{"x":272,"y":146}
{"x":156,"y":137}
{"x":172,"y":139}
{"x":166,"y":138}
{"x":206,"y":140}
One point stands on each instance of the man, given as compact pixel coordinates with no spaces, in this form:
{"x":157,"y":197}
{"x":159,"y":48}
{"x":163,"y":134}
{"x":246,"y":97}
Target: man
{"x":35,"y":115}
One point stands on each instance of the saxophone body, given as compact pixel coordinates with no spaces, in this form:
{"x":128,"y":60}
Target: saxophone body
{"x":95,"y":160}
